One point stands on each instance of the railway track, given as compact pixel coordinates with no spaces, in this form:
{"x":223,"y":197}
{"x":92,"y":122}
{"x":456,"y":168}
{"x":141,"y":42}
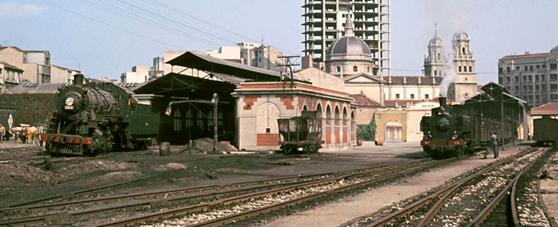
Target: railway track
{"x":116,"y":210}
{"x":457,"y":203}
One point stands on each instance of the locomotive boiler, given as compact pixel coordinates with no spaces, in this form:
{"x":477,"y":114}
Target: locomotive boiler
{"x":93,"y":117}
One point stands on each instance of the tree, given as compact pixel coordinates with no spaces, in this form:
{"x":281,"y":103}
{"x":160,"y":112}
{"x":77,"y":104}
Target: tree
{"x":367,"y":132}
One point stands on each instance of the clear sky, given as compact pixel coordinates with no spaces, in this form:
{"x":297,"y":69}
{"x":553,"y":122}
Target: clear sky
{"x":107,"y":37}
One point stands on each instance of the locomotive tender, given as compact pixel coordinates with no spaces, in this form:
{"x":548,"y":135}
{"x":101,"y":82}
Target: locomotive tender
{"x":93,"y":117}
{"x":455,"y":129}
{"x":545,"y":131}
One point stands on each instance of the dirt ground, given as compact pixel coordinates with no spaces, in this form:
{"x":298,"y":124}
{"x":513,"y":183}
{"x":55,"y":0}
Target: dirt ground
{"x":24,"y":176}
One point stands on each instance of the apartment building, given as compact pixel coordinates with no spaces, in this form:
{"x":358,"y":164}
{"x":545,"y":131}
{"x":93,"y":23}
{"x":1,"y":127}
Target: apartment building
{"x":10,"y":76}
{"x":62,"y":75}
{"x":34,"y":63}
{"x":139,"y":74}
{"x":324,"y":22}
{"x":532,"y":77}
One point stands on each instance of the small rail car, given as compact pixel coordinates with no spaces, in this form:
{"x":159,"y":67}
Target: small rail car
{"x":545,"y":131}
{"x":301,"y":134}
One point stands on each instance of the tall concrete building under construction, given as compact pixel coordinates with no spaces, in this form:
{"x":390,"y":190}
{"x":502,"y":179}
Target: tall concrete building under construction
{"x":324,"y":22}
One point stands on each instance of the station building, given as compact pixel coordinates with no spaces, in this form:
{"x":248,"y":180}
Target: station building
{"x":250,"y":100}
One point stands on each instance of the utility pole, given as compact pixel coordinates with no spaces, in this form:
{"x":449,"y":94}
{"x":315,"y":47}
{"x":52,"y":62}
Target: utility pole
{"x":289,"y":64}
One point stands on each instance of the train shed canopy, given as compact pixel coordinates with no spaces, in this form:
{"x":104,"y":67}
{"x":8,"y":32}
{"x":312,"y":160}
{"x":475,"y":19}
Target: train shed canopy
{"x":495,"y":92}
{"x":210,"y":64}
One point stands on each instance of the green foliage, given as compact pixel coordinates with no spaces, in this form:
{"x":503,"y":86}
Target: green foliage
{"x":367,"y":132}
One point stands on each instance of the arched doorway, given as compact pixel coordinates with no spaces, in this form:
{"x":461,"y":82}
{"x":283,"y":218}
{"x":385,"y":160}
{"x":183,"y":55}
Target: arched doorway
{"x":345,"y":123}
{"x":337,"y":122}
{"x":328,"y":125}
{"x":266,"y":124}
{"x":393,"y":132}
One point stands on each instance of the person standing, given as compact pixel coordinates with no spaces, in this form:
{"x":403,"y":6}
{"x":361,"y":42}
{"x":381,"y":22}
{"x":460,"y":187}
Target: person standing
{"x":494,"y":143}
{"x":2,"y":132}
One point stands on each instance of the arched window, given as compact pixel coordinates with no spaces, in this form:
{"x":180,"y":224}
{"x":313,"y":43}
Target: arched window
{"x":463,"y":50}
{"x":470,"y":69}
{"x":328,"y":115}
{"x":337,"y":116}
{"x":459,"y":69}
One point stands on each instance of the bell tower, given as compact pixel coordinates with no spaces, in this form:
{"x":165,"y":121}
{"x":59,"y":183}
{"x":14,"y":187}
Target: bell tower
{"x":465,"y":85}
{"x":434,"y":59}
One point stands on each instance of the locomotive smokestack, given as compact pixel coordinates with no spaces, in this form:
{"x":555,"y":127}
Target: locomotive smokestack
{"x":78,"y":79}
{"x":442,"y":101}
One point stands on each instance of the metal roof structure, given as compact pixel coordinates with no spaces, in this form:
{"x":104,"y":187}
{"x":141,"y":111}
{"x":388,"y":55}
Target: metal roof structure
{"x":180,"y":85}
{"x":214,"y":65}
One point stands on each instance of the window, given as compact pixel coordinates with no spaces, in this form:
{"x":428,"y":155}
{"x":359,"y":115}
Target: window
{"x":368,"y":69}
{"x":552,"y":66}
{"x":508,"y":79}
{"x":508,"y":69}
{"x":542,"y":77}
{"x":530,"y":68}
{"x":538,"y":66}
{"x":338,"y":69}
{"x":355,"y":68}
{"x":470,"y":69}
{"x":464,"y":68}
{"x":396,"y":96}
{"x":459,"y":69}
{"x":463,"y":50}
{"x":435,"y":72}
{"x":412,"y":96}
{"x":426,"y":96}
{"x":525,"y":68}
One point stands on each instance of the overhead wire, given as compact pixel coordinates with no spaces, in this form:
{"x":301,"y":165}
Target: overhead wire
{"x":175,"y":22}
{"x":176,"y":10}
{"x":116,"y":27}
{"x":161,"y":25}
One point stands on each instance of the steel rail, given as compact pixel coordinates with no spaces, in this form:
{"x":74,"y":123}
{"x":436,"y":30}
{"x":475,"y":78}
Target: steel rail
{"x":186,"y":210}
{"x":21,"y":207}
{"x":509,"y":193}
{"x":438,"y":195}
{"x":321,"y":177}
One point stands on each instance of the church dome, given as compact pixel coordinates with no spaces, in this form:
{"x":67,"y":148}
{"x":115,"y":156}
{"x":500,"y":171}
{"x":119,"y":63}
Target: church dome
{"x":349,"y":45}
{"x":460,"y":36}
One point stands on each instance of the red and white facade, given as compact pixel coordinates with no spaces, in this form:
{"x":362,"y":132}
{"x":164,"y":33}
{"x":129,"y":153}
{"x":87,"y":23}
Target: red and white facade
{"x":260,"y":104}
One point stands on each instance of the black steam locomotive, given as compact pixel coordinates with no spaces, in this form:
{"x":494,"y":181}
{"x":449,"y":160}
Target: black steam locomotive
{"x":455,"y":129}
{"x":93,"y":117}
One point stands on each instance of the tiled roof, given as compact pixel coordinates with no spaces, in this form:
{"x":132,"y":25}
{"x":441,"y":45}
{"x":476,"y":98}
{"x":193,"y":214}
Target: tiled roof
{"x":550,"y":108}
{"x":535,"y":55}
{"x":10,"y":66}
{"x":363,"y":101}
{"x":401,"y":103}
{"x":412,"y":80}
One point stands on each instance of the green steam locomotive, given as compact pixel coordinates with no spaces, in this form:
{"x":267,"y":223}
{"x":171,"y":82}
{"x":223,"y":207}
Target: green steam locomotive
{"x":455,"y":129}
